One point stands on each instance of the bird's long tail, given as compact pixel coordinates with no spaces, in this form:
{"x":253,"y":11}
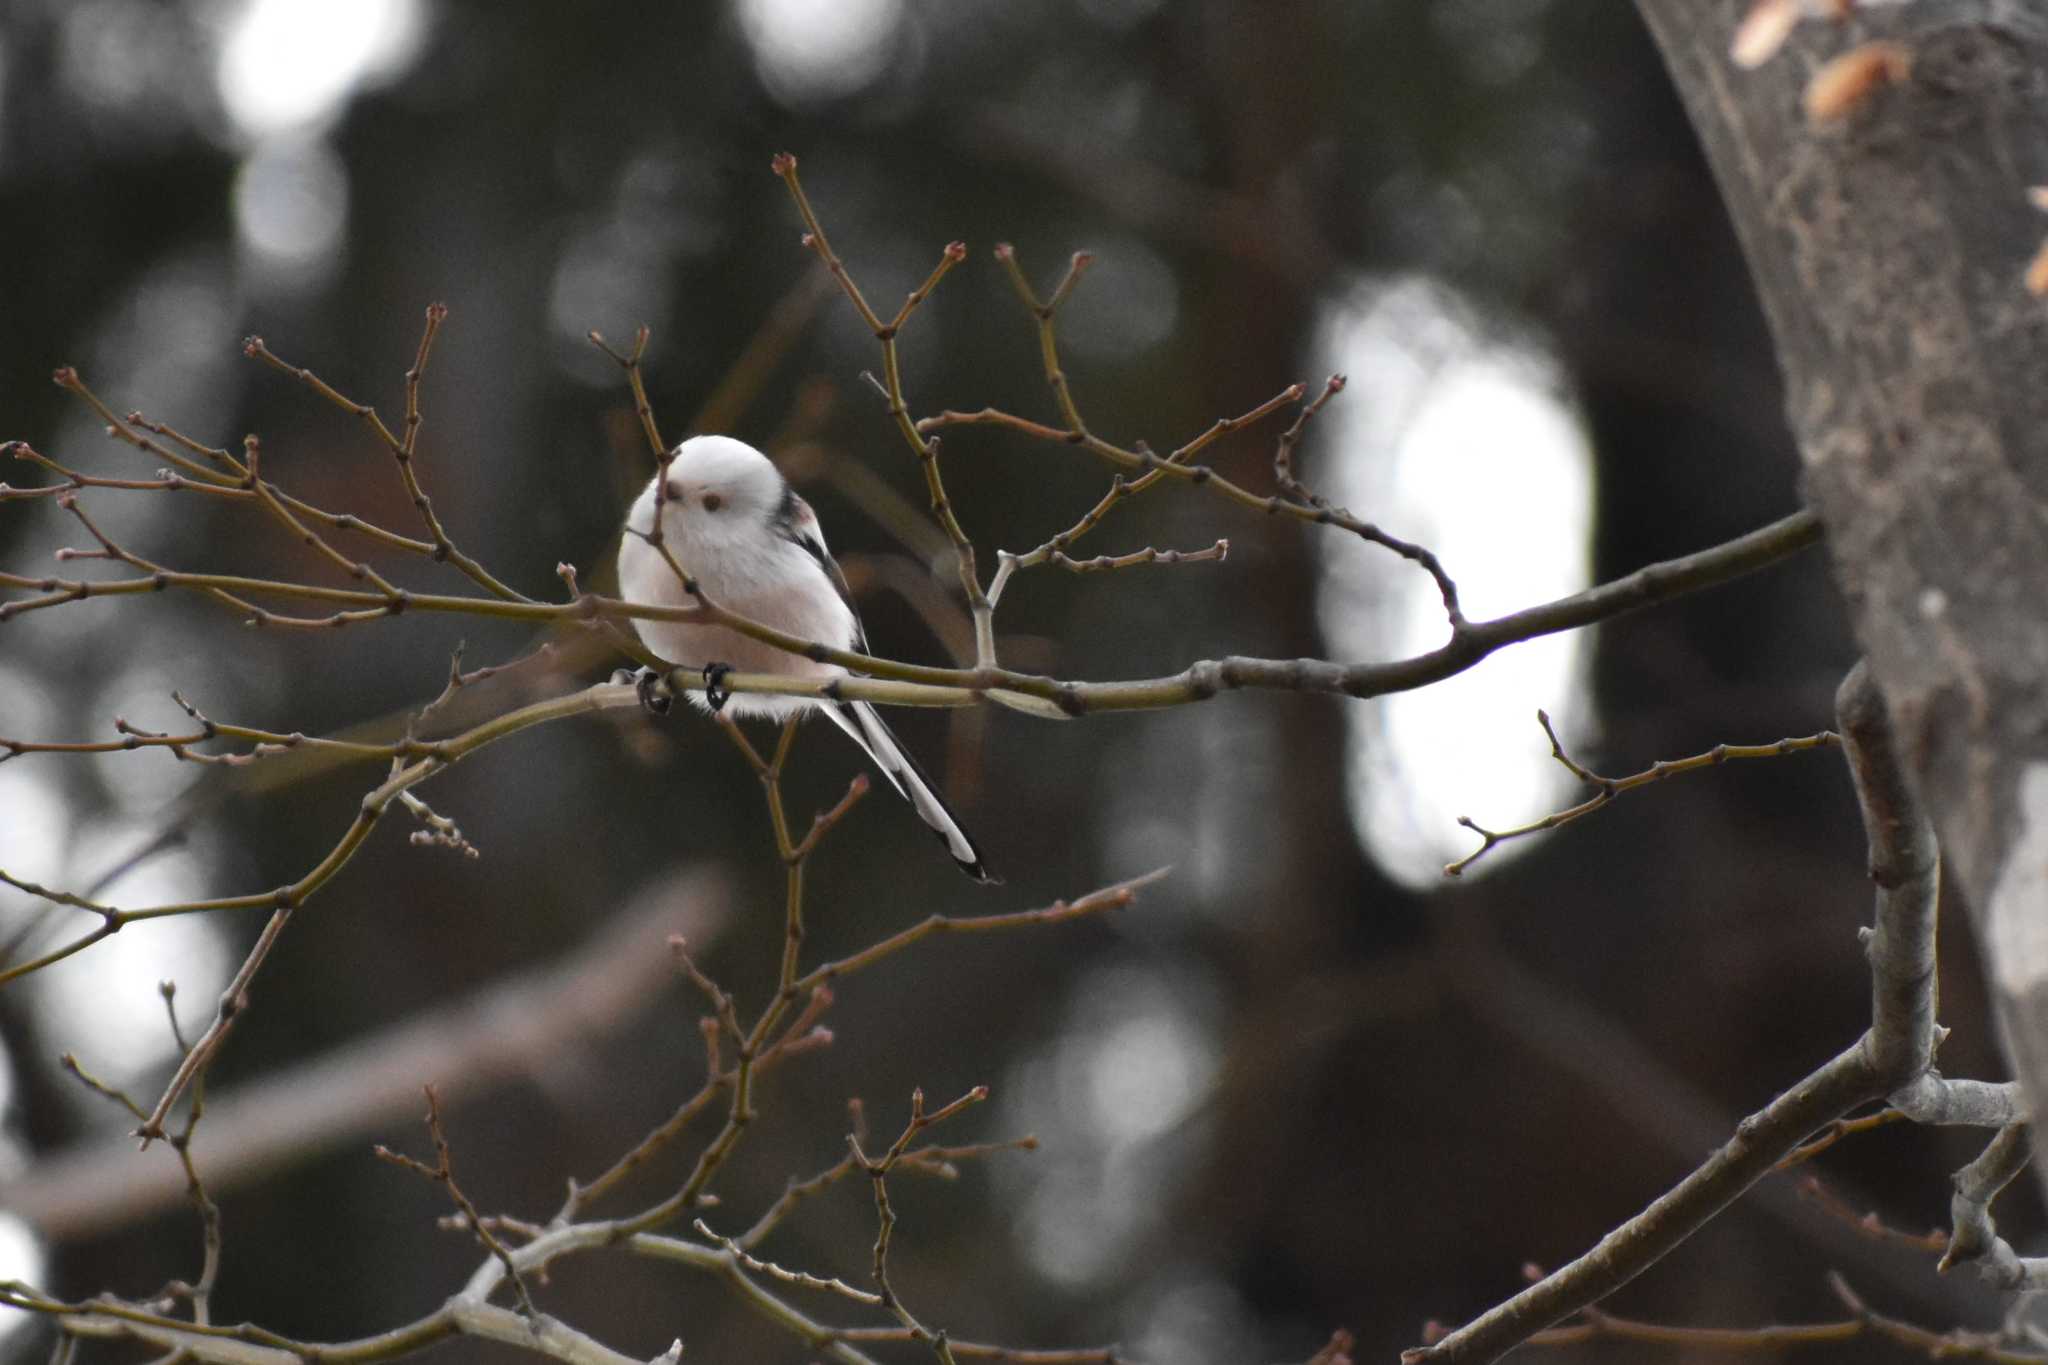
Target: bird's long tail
{"x":867,"y":729}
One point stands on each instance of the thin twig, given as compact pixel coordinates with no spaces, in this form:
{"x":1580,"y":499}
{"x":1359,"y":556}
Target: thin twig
{"x":1607,"y":788}
{"x":1975,"y":1239}
{"x":1077,"y":433}
{"x":359,"y":570}
{"x":1283,"y":451}
{"x":750,"y":1047}
{"x":199,"y":1292}
{"x":802,"y":1279}
{"x":1112,"y":897}
{"x":1834,"y":1132}
{"x":442,"y":1172}
{"x":1868,"y":1224}
{"x":402,"y":449}
{"x":1895,"y":1049}
{"x":922,"y":444}
{"x":1954,"y":1345}
{"x":937,"y":1160}
{"x":67,"y":377}
{"x":878,"y":1173}
{"x":1198,"y":682}
{"x":644,"y":410}
{"x":1120,"y":488}
{"x":235,"y":999}
{"x":1215,"y":554}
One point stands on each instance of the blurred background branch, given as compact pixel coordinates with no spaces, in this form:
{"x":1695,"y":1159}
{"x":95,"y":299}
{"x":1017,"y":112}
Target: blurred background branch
{"x":538,"y":1027}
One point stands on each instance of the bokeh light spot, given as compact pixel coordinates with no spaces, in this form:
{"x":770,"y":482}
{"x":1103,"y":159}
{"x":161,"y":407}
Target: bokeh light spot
{"x":291,"y":205}
{"x":810,"y":50}
{"x":103,"y":1003}
{"x":1129,"y":301}
{"x":21,"y":1258}
{"x":290,"y":64}
{"x":1110,"y":1097}
{"x":1466,"y":443}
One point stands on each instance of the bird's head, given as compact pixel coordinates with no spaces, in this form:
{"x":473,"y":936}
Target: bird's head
{"x":717,"y":485}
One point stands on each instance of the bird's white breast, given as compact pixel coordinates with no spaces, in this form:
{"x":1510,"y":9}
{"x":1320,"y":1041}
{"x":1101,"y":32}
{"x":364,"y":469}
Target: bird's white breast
{"x":745,"y":567}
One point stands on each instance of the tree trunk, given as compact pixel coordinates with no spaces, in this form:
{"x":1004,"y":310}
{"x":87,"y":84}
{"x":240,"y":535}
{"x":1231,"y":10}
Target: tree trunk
{"x":1889,"y":249}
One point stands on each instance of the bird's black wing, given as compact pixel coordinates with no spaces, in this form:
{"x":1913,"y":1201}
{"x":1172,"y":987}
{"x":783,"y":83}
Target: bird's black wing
{"x":798,"y":524}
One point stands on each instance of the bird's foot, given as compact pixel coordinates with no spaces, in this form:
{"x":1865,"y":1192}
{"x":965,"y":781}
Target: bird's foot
{"x":652,"y":686}
{"x":715,"y":693}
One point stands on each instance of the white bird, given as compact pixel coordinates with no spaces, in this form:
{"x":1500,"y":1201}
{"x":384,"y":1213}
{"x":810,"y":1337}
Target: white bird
{"x":735,"y":525}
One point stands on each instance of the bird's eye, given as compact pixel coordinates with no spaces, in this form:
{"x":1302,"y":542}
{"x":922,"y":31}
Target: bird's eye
{"x":712,"y":502}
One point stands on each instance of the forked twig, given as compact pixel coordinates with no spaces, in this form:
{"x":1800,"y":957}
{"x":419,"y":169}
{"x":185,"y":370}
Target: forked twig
{"x":442,"y":1172}
{"x":1606,"y":789}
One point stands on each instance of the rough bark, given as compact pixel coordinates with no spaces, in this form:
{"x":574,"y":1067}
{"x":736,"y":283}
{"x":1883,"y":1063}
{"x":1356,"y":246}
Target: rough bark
{"x":1889,"y":251}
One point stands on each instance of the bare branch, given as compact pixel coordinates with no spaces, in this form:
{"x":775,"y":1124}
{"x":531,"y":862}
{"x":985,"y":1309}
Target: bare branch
{"x":1077,"y":433}
{"x":630,"y":363}
{"x":1896,"y":1048}
{"x":1834,"y":1132}
{"x":1937,"y":1099}
{"x":357,"y":569}
{"x":878,"y":1173}
{"x":801,"y":1279}
{"x":1199,"y":682}
{"x":1283,"y":452}
{"x":67,"y":378}
{"x":1906,"y":866}
{"x":923,"y":445}
{"x":1957,"y":1345}
{"x":442,"y":1172}
{"x":1112,"y":897}
{"x":1121,"y":488}
{"x":1607,"y":788}
{"x":1975,"y":1239}
{"x":1759,"y":1143}
{"x":1214,"y":554}
{"x":402,"y":449}
{"x":936,"y":1160}
{"x":1868,"y":1224}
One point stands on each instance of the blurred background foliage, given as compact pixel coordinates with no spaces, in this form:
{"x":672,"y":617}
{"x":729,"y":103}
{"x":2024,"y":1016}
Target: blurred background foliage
{"x":1306,"y":1083}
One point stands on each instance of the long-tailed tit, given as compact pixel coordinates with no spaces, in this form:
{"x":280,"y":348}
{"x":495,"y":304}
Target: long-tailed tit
{"x":734,"y":523}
